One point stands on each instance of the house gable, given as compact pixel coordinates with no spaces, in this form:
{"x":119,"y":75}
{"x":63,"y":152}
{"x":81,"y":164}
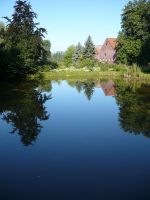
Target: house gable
{"x":108,"y":52}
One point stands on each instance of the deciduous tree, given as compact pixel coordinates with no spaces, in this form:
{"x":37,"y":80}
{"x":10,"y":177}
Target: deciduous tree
{"x":67,"y":59}
{"x":133,"y":40}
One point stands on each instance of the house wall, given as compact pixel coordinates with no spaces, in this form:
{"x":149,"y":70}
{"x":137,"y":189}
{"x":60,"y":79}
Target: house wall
{"x":107,"y":53}
{"x":97,"y":48}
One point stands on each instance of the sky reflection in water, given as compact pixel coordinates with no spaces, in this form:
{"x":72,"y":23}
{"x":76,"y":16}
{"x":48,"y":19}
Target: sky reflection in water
{"x":75,"y":140}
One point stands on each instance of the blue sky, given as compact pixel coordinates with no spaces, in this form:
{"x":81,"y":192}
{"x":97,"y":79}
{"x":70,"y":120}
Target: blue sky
{"x":71,"y":21}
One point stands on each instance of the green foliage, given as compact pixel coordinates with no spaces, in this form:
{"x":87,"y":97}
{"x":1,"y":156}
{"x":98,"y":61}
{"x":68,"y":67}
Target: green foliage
{"x":89,"y":49}
{"x":46,"y":68}
{"x":134,"y":39}
{"x":57,"y":57}
{"x":2,"y":25}
{"x":78,"y":54}
{"x":86,"y":63}
{"x":128,"y":50}
{"x":134,"y":104}
{"x":23,"y":48}
{"x":46,"y":56}
{"x":2,"y":30}
{"x":53,"y":65}
{"x":87,"y":87}
{"x":22,"y":106}
{"x":134,"y":71}
{"x":67,"y":59}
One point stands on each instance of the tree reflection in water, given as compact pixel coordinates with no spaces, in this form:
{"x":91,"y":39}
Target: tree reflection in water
{"x":22,"y":106}
{"x":86,"y":86}
{"x":134,"y":107}
{"x":133,"y":100}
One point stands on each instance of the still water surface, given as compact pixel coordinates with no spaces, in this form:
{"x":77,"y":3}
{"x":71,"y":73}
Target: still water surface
{"x":75,"y":140}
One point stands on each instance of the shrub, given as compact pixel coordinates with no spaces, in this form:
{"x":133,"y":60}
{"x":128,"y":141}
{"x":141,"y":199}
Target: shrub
{"x":53,"y":65}
{"x":86,"y":63}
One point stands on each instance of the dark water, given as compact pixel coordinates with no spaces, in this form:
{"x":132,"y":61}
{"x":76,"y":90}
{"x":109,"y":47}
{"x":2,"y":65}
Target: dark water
{"x":75,"y":140}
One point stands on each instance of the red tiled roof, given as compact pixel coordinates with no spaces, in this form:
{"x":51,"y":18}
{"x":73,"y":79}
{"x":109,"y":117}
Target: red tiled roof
{"x":112,"y":42}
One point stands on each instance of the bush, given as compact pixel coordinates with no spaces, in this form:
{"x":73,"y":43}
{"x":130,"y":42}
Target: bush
{"x":47,"y":68}
{"x":53,"y":65}
{"x":134,"y":71}
{"x":120,"y":68}
{"x":86,"y":63}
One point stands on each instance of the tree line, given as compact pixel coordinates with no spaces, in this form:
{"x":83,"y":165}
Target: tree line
{"x":77,"y":55}
{"x":24,"y":51}
{"x":133,"y":41}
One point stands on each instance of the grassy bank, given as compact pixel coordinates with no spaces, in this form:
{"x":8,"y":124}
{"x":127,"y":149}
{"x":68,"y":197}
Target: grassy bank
{"x":111,"y":72}
{"x":64,"y":74}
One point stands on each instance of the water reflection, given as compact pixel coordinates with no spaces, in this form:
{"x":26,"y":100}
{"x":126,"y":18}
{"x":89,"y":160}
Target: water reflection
{"x":134,"y":107}
{"x":107,"y":87}
{"x":133,"y":100}
{"x":22,"y":106}
{"x":82,"y":148}
{"x":86,"y":86}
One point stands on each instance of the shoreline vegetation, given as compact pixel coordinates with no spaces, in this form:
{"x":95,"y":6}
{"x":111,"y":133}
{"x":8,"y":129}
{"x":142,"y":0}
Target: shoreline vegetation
{"x":24,"y":53}
{"x":113,"y":71}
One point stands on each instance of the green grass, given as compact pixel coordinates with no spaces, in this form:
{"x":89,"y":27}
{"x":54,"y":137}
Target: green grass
{"x":108,"y":71}
{"x":73,"y":74}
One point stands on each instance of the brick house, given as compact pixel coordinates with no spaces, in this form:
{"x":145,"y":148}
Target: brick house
{"x":107,"y":52}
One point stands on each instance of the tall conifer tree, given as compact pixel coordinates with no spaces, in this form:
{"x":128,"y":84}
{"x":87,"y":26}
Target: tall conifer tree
{"x":89,"y":48}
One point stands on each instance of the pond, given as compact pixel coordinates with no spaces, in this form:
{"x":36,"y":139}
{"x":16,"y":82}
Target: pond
{"x":75,"y":140}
